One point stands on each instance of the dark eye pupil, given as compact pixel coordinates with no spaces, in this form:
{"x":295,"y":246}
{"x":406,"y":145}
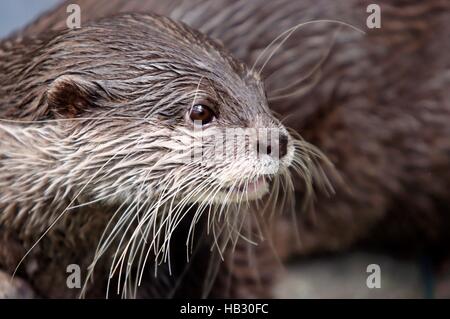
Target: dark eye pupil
{"x":201,"y":113}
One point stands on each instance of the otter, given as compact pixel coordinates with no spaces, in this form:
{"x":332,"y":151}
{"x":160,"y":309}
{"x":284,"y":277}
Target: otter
{"x":376,"y":105}
{"x":98,"y":146}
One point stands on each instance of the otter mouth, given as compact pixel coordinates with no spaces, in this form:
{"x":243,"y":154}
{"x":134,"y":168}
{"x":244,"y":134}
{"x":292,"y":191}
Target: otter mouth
{"x":249,"y":190}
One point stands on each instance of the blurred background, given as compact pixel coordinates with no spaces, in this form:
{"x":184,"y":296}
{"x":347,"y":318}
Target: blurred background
{"x":16,"y":13}
{"x":338,"y":276}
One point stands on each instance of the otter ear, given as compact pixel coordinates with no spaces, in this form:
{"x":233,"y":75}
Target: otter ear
{"x":69,"y":96}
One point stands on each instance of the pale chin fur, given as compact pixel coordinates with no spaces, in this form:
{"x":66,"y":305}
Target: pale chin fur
{"x":236,"y":191}
{"x":252,"y":191}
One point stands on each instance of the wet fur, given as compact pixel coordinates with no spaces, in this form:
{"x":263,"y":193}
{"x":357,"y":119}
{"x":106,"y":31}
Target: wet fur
{"x":378,"y":109}
{"x":382,"y":95}
{"x":96,"y":156}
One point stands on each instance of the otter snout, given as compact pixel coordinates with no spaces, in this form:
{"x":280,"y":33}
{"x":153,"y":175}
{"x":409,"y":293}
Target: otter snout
{"x":274,"y":147}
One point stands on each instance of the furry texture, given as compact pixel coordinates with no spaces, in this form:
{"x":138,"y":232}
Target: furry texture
{"x":97,"y":144}
{"x":376,"y":105}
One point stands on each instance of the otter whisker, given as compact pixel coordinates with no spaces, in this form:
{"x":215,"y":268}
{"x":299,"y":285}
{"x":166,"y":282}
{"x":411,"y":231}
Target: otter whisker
{"x":119,"y":261}
{"x":200,"y":209}
{"x":286,"y":34}
{"x":208,"y":201}
{"x":104,"y":243}
{"x":314,"y":71}
{"x":119,"y":189}
{"x":73,"y":119}
{"x":152,"y":244}
{"x":97,"y":254}
{"x":211,"y":273}
{"x":137,"y":214}
{"x":59,"y":216}
{"x":138,"y":227}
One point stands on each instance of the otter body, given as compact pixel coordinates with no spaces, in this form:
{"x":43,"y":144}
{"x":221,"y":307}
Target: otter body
{"x":377,"y":105}
{"x":378,"y":109}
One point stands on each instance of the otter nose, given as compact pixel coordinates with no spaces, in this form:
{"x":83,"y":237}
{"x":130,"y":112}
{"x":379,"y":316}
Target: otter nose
{"x":267,"y":146}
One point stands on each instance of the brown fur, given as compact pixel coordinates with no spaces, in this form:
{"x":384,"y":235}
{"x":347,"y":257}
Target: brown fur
{"x":96,"y":119}
{"x":380,"y":109}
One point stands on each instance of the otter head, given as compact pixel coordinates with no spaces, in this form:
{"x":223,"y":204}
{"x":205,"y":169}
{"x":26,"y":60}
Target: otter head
{"x":143,"y":113}
{"x":156,"y":108}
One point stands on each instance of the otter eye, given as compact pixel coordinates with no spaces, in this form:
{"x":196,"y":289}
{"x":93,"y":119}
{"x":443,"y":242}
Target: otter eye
{"x":200,"y":112}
